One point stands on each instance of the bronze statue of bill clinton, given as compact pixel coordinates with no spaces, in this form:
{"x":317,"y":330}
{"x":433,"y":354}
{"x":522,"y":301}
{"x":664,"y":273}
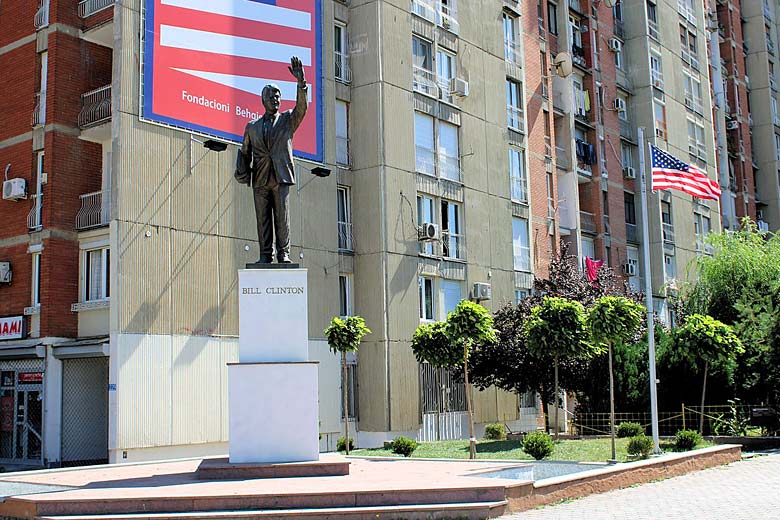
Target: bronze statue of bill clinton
{"x":265,"y":162}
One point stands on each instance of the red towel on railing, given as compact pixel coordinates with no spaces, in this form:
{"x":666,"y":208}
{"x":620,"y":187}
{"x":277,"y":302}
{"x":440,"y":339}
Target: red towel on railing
{"x":592,"y":268}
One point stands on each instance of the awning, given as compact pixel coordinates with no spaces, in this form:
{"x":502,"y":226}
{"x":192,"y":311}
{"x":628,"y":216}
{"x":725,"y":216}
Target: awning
{"x":97,"y":346}
{"x":22,"y":349}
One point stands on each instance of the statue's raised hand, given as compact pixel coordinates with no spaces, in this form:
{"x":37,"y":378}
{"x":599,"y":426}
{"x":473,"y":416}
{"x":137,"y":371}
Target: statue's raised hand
{"x":296,"y":69}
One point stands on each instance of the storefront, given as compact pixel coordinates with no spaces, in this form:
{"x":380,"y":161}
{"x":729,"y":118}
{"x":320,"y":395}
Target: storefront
{"x":21,"y":411}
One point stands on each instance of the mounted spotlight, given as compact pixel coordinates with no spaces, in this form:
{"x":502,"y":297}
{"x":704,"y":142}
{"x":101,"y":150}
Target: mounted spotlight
{"x":215,"y":146}
{"x":319,"y":171}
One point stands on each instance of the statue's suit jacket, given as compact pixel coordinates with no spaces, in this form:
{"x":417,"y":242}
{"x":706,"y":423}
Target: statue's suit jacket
{"x":273,"y":154}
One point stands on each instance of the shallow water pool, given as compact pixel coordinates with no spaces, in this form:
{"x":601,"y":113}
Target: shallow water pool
{"x":542,"y":470}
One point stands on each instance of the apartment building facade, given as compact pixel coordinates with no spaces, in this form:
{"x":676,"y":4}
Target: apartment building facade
{"x":462,"y":148}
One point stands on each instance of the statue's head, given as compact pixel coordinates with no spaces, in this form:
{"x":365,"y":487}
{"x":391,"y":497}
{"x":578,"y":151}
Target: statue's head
{"x":272,"y":98}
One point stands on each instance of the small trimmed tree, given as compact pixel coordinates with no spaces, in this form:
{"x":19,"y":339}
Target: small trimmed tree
{"x":613,"y":320}
{"x":344,"y":335}
{"x":468,"y":325}
{"x":558,"y":329}
{"x":711,"y":341}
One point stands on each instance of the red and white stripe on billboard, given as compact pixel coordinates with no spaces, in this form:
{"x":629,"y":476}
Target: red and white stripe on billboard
{"x":205,"y":64}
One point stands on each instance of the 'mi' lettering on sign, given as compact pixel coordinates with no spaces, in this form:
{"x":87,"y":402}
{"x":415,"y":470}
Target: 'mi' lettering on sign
{"x":12,"y":328}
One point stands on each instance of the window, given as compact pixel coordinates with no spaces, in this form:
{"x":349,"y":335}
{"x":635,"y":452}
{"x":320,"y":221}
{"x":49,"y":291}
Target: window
{"x":617,"y":11}
{"x":652,"y":21}
{"x":693,"y":96}
{"x":451,"y":294}
{"x":445,"y":74}
{"x":575,"y":36}
{"x":619,"y":59}
{"x":775,"y":118}
{"x":688,"y":50}
{"x":550,"y":199}
{"x":96,"y":274}
{"x":352,"y":389}
{"x":666,"y":221}
{"x":517,"y":177}
{"x":702,"y":225}
{"x":581,"y":97}
{"x":630,"y":208}
{"x":659,"y":114}
{"x":632,"y":258}
{"x":623,"y":113}
{"x":341,"y":56}
{"x":544,"y":72}
{"x":511,"y":45}
{"x":521,"y":244}
{"x":626,"y":155}
{"x":423,"y":77}
{"x":342,"y":133}
{"x":345,"y":295}
{"x":514,"y":106}
{"x":425,"y":213}
{"x":520,"y":294}
{"x":552,"y":17}
{"x":529,"y":399}
{"x":344,"y":201}
{"x":424,"y":143}
{"x":656,"y":71}
{"x":670,"y":267}
{"x":36,"y":280}
{"x":449,"y":151}
{"x":427,"y":307}
{"x":39,"y":115}
{"x":451,"y":230}
{"x":696,"y":148}
{"x":777,"y":147}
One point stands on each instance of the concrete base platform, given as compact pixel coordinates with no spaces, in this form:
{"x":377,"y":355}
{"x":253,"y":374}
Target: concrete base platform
{"x":223,"y":469}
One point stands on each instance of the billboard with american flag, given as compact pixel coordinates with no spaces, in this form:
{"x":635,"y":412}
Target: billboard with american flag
{"x":205,"y":63}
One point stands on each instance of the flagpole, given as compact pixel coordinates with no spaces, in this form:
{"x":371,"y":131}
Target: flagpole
{"x":648,"y":291}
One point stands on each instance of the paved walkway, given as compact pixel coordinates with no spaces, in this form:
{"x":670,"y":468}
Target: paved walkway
{"x":748,"y":489}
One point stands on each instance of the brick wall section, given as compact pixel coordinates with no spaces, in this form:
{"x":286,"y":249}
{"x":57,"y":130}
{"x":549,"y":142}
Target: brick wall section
{"x":13,"y":215}
{"x":14,"y":297}
{"x":21,"y":68}
{"x":18,"y":18}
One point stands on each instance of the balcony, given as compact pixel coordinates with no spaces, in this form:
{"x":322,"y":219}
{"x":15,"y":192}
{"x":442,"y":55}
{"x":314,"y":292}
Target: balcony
{"x":578,"y":56}
{"x":94,"y":211}
{"x":668,"y":233}
{"x":658,"y":79}
{"x":575,"y":5}
{"x":652,"y":30}
{"x":35,"y":216}
{"x":627,"y":130}
{"x":514,"y":118}
{"x":770,"y":46}
{"x":437,"y":12}
{"x":97,"y":29}
{"x":424,"y":81}
{"x":39,"y":112}
{"x":452,"y":245}
{"x":588,"y":222}
{"x":686,"y":11}
{"x":692,"y":103}
{"x":631,"y":233}
{"x":345,"y":237}
{"x":343,"y":72}
{"x":424,"y":9}
{"x":562,"y":158}
{"x":343,"y":157}
{"x":445,"y":90}
{"x":89,"y":7}
{"x":449,"y":167}
{"x":95,"y":107}
{"x":42,"y":16}
{"x":512,"y":52}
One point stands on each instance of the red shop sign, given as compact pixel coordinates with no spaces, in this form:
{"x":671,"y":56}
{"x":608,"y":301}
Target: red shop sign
{"x":30,"y":377}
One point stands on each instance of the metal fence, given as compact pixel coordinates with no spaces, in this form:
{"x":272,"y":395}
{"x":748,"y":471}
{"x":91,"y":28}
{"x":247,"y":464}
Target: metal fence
{"x":443,"y":404}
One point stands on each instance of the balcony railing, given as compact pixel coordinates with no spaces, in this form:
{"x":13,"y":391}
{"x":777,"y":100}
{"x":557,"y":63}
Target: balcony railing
{"x":424,"y":158}
{"x":575,"y":4}
{"x":658,"y":79}
{"x":342,"y":151}
{"x":631,"y":233}
{"x":94,"y":211}
{"x":95,"y":107}
{"x":542,"y":30}
{"x":587,"y":222}
{"x":562,"y":158}
{"x":424,"y":81}
{"x":343,"y":70}
{"x":668,"y":232}
{"x":424,"y":9}
{"x":89,"y":7}
{"x":652,"y":30}
{"x":770,"y":46}
{"x":512,"y":52}
{"x":514,"y":118}
{"x":578,"y":55}
{"x":39,"y":112}
{"x":449,"y":167}
{"x":42,"y":15}
{"x":452,"y":245}
{"x":627,"y":129}
{"x":519,"y":189}
{"x":35,"y":216}
{"x":447,"y":17}
{"x":445,"y":90}
{"x":345,"y":236}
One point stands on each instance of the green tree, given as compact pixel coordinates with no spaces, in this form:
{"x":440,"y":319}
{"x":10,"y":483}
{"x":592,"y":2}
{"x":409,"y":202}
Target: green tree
{"x":431,"y":344}
{"x":614,"y":320}
{"x":558,"y":329}
{"x":468,"y":325}
{"x":703,"y":338}
{"x":344,"y":335}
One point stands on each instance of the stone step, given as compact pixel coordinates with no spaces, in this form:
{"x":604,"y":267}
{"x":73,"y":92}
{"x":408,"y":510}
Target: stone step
{"x":366,"y":498}
{"x":464,"y":510}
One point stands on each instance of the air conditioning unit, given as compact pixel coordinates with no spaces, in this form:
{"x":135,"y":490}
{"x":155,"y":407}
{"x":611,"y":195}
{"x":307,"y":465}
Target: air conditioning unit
{"x":615,"y":45}
{"x":619,"y":104}
{"x":482,"y":291}
{"x":732,"y":125}
{"x":5,"y":272}
{"x":460,"y":87}
{"x":629,"y":269}
{"x":429,"y":232}
{"x":688,"y":103}
{"x":15,"y":189}
{"x":629,"y":172}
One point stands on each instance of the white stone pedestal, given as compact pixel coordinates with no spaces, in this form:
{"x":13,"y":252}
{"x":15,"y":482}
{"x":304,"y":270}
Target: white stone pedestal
{"x":273,"y":398}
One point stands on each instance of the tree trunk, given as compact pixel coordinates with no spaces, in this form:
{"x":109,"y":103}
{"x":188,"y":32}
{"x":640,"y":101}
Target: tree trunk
{"x":612,"y":404}
{"x":472,"y":440}
{"x":555,"y":401}
{"x":703,"y":390}
{"x":344,"y":398}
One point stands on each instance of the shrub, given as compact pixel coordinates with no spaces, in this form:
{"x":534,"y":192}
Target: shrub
{"x":341,"y":444}
{"x":629,"y":429}
{"x":495,"y":432}
{"x":641,"y":445}
{"x":686,"y":439}
{"x":538,"y":445}
{"x":403,"y":446}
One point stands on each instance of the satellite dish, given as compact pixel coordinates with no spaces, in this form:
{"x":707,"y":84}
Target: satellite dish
{"x":610,"y":3}
{"x":562,"y":64}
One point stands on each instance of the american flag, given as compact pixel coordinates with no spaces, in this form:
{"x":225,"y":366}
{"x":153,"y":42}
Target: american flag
{"x":669,"y":172}
{"x":206,"y":62}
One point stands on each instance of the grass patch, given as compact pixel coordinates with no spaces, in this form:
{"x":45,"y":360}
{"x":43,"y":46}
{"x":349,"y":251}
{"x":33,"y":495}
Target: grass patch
{"x":579,"y":450}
